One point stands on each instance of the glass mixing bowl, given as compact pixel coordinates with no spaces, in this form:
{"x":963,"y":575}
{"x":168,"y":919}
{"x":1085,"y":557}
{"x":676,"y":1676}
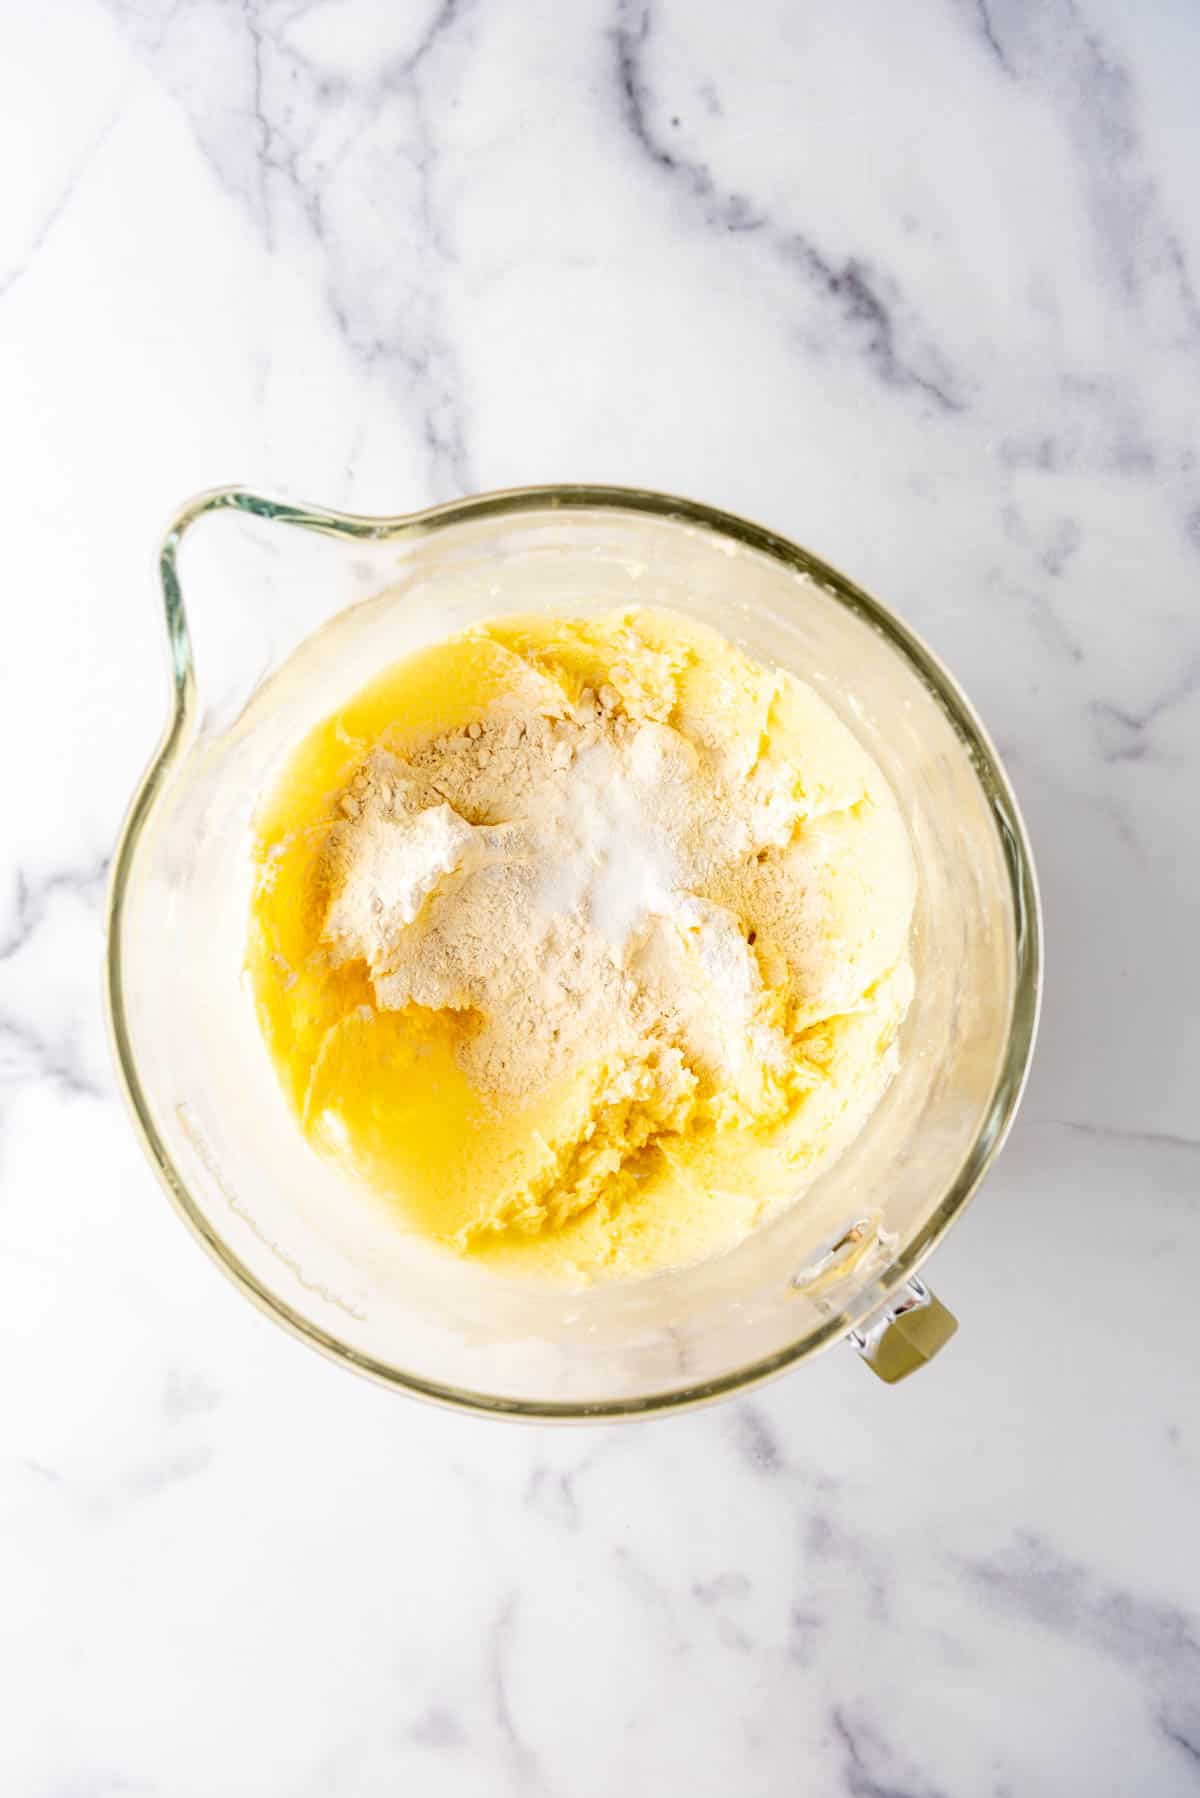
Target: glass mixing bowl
{"x":297,"y":608}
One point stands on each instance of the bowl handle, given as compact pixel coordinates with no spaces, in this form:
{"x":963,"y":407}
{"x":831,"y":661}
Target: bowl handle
{"x":906,"y":1333}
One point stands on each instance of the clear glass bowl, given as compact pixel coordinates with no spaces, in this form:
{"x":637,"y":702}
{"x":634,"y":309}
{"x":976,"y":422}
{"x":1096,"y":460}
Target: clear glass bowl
{"x":296,"y":608}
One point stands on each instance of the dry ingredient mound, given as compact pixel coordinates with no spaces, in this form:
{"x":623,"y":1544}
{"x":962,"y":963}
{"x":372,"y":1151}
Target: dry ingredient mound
{"x":544,"y":874}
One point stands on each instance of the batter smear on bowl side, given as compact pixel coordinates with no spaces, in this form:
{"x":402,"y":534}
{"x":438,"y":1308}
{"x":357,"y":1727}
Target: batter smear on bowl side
{"x":583,"y":942}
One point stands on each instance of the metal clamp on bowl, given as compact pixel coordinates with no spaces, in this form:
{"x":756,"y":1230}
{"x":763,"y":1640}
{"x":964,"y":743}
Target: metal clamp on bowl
{"x":905,"y":1333}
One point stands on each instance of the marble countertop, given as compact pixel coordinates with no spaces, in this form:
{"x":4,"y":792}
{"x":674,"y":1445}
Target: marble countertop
{"x":918,"y":286}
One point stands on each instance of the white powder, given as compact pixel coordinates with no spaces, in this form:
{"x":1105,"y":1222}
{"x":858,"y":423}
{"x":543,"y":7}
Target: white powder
{"x":393,"y":872}
{"x":607,"y":857}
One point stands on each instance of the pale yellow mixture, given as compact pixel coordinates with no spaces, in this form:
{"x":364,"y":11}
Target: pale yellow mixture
{"x":583,"y":942}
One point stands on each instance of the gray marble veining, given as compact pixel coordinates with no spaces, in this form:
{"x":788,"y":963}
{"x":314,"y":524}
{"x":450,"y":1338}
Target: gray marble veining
{"x":918,"y":287}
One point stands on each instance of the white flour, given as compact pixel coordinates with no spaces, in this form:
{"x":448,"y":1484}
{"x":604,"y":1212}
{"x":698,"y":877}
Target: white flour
{"x":544,"y":872}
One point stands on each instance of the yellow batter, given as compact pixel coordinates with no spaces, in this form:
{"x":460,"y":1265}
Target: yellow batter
{"x":583,"y":943}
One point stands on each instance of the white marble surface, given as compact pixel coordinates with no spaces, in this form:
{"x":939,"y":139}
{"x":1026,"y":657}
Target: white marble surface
{"x":917,"y":285}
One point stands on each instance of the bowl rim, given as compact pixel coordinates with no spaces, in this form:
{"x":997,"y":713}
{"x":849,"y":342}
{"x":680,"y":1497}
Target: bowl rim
{"x":511,"y":502}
